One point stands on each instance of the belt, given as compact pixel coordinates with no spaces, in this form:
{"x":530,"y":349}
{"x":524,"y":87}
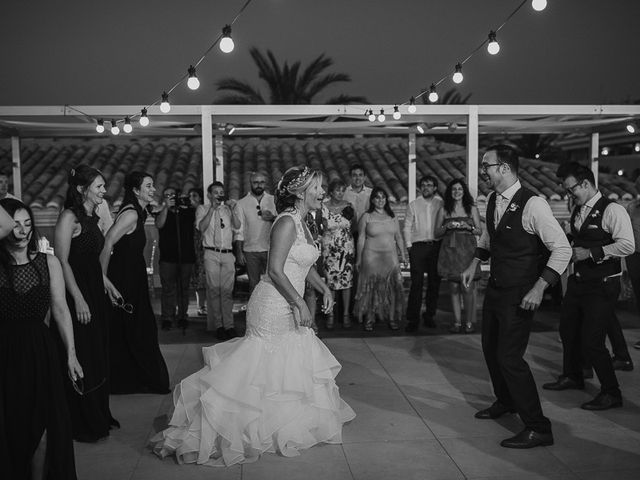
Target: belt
{"x":615,"y":276}
{"x":427,"y":242}
{"x":221,"y":250}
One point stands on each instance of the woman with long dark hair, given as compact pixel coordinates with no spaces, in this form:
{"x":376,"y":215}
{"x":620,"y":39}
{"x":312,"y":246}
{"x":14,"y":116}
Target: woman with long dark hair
{"x":35,"y":429}
{"x":273,"y":390}
{"x":78,"y":243}
{"x":380,"y":293}
{"x":137,"y":365}
{"x":458,"y":223}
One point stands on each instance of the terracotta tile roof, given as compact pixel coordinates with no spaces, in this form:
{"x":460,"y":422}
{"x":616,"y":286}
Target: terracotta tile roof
{"x":177,"y":162}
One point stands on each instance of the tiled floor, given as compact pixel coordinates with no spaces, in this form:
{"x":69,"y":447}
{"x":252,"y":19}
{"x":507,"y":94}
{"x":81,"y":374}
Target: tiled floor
{"x":414,"y":398}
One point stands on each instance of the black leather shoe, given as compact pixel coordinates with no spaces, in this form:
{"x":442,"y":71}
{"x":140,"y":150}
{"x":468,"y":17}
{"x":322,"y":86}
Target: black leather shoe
{"x":624,"y":365}
{"x":528,"y":439}
{"x":221,"y":333}
{"x":564,"y":383}
{"x":428,"y":321}
{"x":231,"y":333}
{"x":166,"y":325}
{"x":494,"y":411}
{"x":603,"y":401}
{"x":411,"y":328}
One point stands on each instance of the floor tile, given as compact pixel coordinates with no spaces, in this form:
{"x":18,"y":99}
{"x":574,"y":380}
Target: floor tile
{"x":151,"y":467}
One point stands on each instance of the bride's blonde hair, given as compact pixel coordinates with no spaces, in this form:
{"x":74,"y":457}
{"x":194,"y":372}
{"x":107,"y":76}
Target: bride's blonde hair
{"x":292,"y":186}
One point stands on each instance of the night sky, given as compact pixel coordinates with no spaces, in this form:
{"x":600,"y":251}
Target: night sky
{"x":118,"y":52}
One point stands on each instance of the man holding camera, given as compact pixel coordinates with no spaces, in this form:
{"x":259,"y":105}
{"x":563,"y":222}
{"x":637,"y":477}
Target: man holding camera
{"x":175,"y":222}
{"x":218,"y":222}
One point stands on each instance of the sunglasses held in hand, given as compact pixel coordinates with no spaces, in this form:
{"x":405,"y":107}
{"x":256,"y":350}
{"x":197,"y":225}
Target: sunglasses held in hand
{"x":127,"y":307}
{"x":78,"y":385}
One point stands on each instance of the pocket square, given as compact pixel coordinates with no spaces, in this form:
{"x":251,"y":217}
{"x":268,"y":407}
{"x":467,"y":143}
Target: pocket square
{"x":592,"y":226}
{"x":508,"y":227}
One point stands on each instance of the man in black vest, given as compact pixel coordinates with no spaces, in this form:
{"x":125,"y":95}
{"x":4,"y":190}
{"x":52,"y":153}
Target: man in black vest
{"x":602,"y":234}
{"x":520,"y":233}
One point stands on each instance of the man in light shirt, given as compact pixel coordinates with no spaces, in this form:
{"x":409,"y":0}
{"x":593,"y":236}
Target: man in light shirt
{"x":423,"y":249}
{"x":358,"y":193}
{"x":521,"y":231}
{"x":601,"y":234}
{"x":633,"y":260}
{"x":257,"y":212}
{"x":4,"y":187}
{"x":217,"y":223}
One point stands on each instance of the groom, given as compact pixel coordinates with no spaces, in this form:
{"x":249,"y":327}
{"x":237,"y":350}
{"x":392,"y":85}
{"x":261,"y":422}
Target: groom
{"x":521,"y":231}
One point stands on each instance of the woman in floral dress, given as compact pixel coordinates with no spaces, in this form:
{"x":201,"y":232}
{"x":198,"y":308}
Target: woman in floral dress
{"x":338,"y":247}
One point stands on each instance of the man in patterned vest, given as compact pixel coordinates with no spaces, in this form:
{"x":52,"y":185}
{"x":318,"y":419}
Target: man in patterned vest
{"x":602,"y":234}
{"x":528,"y":251}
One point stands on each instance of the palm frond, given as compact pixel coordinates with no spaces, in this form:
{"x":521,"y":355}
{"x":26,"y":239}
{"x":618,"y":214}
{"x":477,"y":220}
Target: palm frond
{"x":313,"y":70}
{"x":326,"y":81}
{"x":344,"y":99}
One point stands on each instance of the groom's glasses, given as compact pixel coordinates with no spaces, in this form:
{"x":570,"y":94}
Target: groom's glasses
{"x":221,"y":223}
{"x":259,"y":210}
{"x":127,"y":307}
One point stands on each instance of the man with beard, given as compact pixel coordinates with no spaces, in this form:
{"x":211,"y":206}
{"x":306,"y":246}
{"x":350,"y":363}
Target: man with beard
{"x":521,"y":231}
{"x":602,"y":234}
{"x":4,"y":187}
{"x":257,"y":212}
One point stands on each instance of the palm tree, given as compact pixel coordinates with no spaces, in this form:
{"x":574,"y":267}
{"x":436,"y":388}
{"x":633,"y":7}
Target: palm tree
{"x":287,"y":84}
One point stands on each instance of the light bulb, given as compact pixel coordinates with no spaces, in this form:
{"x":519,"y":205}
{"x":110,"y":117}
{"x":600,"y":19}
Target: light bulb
{"x":100,"y":126}
{"x":420,"y":128}
{"x":604,"y":151}
{"x":396,"y":113}
{"x":144,"y":120}
{"x":372,"y":117}
{"x":382,"y":117}
{"x":114,"y":128}
{"x":165,"y":107}
{"x":631,"y":128}
{"x":193,"y":83}
{"x":457,"y":76}
{"x":433,"y":95}
{"x":620,"y":172}
{"x":226,"y":42}
{"x":412,"y":105}
{"x":127,"y":125}
{"x":539,"y":5}
{"x":636,"y":147}
{"x":493,"y":47}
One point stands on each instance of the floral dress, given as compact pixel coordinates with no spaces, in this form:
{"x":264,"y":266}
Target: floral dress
{"x":338,"y":248}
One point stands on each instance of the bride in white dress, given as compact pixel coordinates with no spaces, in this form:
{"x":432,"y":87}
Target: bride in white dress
{"x":274,"y":389}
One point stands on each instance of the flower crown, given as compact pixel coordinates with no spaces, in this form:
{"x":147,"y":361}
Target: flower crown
{"x":297,"y":182}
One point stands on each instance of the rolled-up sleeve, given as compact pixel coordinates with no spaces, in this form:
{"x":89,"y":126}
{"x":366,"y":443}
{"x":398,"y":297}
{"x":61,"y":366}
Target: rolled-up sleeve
{"x":616,"y":221}
{"x":538,"y":219}
{"x":408,"y":225}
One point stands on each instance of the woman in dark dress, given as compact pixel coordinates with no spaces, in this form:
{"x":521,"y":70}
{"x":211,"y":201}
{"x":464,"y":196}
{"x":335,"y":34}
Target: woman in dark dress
{"x":78,"y":242}
{"x":457,"y":223}
{"x":136,"y":363}
{"x":35,"y":429}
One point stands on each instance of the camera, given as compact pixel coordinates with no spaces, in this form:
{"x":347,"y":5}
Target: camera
{"x":183,"y":201}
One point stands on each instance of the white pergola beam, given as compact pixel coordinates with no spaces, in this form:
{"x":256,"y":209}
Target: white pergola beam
{"x":17,"y":167}
{"x":207,"y":150}
{"x":472,"y":151}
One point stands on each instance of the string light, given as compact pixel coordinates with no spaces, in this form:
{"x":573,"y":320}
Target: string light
{"x":382,"y":117}
{"x":226,"y":43}
{"x":636,"y":147}
{"x":604,"y":151}
{"x":114,"y":127}
{"x":433,"y":95}
{"x":193,"y":83}
{"x":539,"y":5}
{"x":420,"y":128}
{"x":100,"y":126}
{"x":493,"y":47}
{"x":372,"y":117}
{"x":412,"y":105}
{"x":396,"y":113}
{"x":127,"y":125}
{"x":632,"y":127}
{"x":232,"y":128}
{"x":457,"y":76}
{"x":165,"y":107}
{"x":144,"y":120}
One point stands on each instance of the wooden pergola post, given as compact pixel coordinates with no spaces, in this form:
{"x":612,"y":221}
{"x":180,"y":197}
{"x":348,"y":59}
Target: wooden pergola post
{"x":207,"y":148}
{"x":472,"y":150}
{"x":17,"y":167}
{"x":411,"y":187}
{"x":219,"y":159}
{"x":594,"y":153}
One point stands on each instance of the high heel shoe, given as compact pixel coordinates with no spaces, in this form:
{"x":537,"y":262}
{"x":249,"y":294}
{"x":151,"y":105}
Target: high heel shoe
{"x":368,"y":325}
{"x":346,"y":321}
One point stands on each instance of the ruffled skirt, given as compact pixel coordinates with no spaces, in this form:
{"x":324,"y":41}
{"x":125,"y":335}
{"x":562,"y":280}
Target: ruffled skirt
{"x":256,"y":395}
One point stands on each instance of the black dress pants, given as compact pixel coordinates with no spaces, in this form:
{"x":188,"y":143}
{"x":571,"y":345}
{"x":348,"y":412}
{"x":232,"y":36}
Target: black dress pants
{"x":505,"y":335}
{"x":423,"y":258}
{"x":587,"y":310}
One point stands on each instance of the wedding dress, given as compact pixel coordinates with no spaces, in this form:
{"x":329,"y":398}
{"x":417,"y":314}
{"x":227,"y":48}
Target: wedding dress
{"x":273,"y":390}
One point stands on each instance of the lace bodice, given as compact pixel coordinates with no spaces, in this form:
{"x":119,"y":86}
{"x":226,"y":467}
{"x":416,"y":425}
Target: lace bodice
{"x":268,"y":312}
{"x":25,"y":293}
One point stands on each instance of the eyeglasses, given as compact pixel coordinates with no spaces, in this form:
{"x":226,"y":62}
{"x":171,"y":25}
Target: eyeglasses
{"x":259,"y":210}
{"x":78,"y":385}
{"x":485,"y":166}
{"x":127,"y":307}
{"x":572,"y":188}
{"x":221,"y":223}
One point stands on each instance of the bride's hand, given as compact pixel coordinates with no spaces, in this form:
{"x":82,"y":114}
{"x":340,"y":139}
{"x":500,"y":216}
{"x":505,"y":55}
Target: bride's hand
{"x":327,"y":302}
{"x":302,"y":315}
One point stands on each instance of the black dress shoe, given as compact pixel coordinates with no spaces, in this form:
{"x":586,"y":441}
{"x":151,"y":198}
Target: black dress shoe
{"x":428,"y":321}
{"x":166,"y":325}
{"x":411,"y":328}
{"x":528,"y":439}
{"x":494,"y":411}
{"x":603,"y":401}
{"x":564,"y":383}
{"x":624,"y":365}
{"x":221,"y":333}
{"x":231,"y":333}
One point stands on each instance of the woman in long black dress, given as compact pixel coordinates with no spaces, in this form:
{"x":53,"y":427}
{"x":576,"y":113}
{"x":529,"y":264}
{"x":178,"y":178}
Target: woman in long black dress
{"x":136,"y":363}
{"x":34,"y":419}
{"x":78,"y":242}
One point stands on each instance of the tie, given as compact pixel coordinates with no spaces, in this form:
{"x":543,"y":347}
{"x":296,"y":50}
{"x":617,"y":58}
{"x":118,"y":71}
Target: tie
{"x":501,"y":205}
{"x":582,"y":216}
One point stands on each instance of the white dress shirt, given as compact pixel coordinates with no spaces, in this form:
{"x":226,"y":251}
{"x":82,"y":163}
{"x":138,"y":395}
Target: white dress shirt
{"x":215,"y":236}
{"x":359,"y":200}
{"x":254,"y":231}
{"x":420,"y":218}
{"x":538,"y":219}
